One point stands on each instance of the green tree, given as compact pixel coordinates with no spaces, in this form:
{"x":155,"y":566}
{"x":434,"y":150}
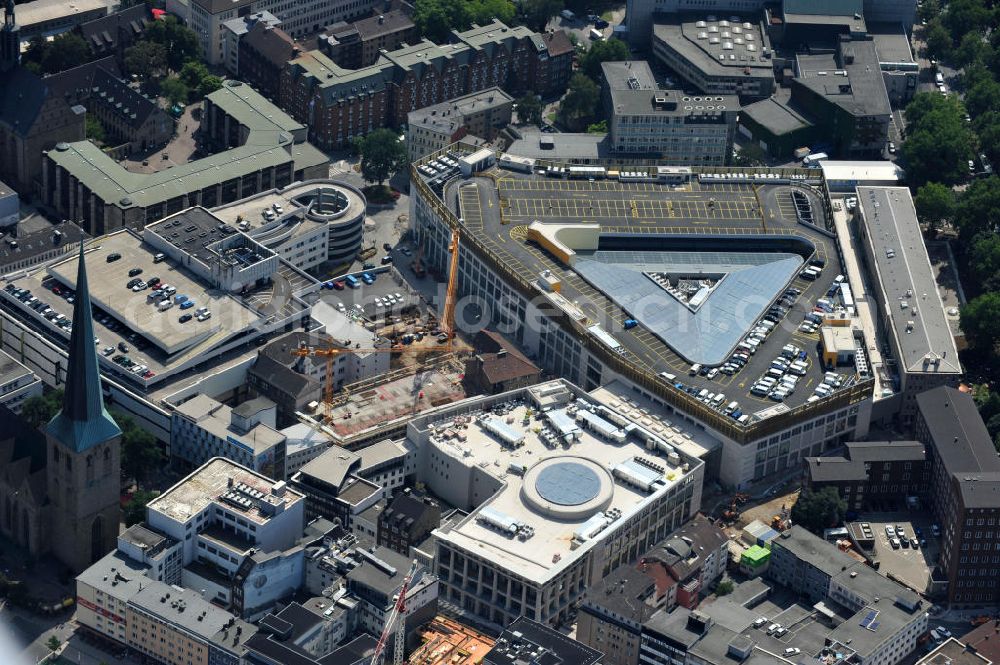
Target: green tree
{"x":538,"y":12}
{"x":978,"y":210}
{"x":529,"y":109}
{"x":602,"y":51}
{"x":980,"y":320}
{"x":209,"y":84}
{"x":598,"y":127}
{"x":140,"y":452}
{"x":48,"y":57}
{"x":146,"y":59}
{"x":94,"y":128}
{"x":579,"y":106}
{"x":982,"y":92}
{"x":972,"y":48}
{"x":135,"y":509}
{"x":962,"y":17}
{"x":819,"y":510}
{"x":938,"y":39}
{"x":40,"y":409}
{"x":724,"y":588}
{"x":984,"y":261}
{"x":435,"y":19}
{"x":935,"y":203}
{"x":484,"y":11}
{"x":929,"y":9}
{"x":382,"y":155}
{"x":53,"y":643}
{"x":174,"y":90}
{"x":192,"y":73}
{"x":940,"y":141}
{"x":180,"y":42}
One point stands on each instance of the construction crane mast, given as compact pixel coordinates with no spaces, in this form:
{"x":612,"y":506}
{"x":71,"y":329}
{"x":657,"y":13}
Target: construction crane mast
{"x":395,"y":624}
{"x":329,"y":353}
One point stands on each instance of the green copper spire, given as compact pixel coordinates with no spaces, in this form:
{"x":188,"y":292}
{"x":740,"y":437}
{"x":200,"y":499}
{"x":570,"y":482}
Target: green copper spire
{"x":83,"y":421}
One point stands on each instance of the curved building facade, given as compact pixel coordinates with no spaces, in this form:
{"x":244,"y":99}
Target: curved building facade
{"x":307,"y":223}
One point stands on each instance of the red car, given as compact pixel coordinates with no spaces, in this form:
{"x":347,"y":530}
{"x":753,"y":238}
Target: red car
{"x":56,"y":290}
{"x":338,"y":285}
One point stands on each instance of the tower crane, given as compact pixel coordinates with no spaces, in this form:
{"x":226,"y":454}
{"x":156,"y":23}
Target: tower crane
{"x":329,"y":353}
{"x":395,"y":624}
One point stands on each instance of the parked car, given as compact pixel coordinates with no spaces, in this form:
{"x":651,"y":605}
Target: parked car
{"x":112,"y":257}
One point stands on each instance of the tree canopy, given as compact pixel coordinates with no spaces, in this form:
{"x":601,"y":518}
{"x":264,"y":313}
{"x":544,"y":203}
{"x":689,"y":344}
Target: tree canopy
{"x":536,"y":13}
{"x":135,"y":508}
{"x":935,"y":203}
{"x":819,"y":510}
{"x":529,"y":109}
{"x":140,"y":452}
{"x":435,"y":19}
{"x":40,"y":409}
{"x":602,"y":51}
{"x":146,"y":59}
{"x":980,"y":320}
{"x":180,"y":42}
{"x":579,"y":106}
{"x":382,"y":155}
{"x":939,"y":142}
{"x":63,"y":52}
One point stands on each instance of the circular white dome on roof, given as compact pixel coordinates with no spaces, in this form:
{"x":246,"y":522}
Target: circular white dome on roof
{"x":567,"y":487}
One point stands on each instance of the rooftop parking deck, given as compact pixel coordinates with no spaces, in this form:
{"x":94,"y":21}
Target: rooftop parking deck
{"x":648,"y":230}
{"x":153,"y":338}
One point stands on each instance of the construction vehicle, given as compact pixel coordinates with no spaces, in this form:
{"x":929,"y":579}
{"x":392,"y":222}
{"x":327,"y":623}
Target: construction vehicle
{"x":447,"y":326}
{"x":777,"y":523}
{"x":395,"y":624}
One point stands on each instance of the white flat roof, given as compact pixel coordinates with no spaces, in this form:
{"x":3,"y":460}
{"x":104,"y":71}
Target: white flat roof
{"x":862,"y":172}
{"x":209,"y":482}
{"x":557,"y":490}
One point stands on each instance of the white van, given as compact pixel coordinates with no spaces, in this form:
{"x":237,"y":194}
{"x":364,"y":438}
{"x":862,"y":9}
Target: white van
{"x":668,"y":376}
{"x":596,"y":35}
{"x":744,"y":419}
{"x":165,"y":304}
{"x":695,"y":368}
{"x":703,"y":394}
{"x":718,"y":400}
{"x":732,"y":406}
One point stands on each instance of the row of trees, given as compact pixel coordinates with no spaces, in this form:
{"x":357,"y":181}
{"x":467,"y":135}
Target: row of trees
{"x":944,"y":133}
{"x":435,"y":19}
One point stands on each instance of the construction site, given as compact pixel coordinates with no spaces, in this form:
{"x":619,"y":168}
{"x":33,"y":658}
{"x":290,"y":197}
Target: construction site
{"x":447,"y":642}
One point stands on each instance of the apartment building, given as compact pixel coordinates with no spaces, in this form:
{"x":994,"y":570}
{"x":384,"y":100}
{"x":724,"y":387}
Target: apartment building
{"x":965,"y":493}
{"x":359,"y":44}
{"x":873,"y":475}
{"x":481,"y":115}
{"x":338,"y":104}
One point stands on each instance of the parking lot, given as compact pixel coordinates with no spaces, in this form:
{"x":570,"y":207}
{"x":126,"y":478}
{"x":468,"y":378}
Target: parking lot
{"x":907,"y":564}
{"x":499,"y":213}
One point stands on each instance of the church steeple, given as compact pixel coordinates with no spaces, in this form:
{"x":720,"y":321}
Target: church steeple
{"x":10,"y":39}
{"x":83,"y":422}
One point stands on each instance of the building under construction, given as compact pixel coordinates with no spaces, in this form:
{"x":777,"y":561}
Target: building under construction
{"x":445,"y":641}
